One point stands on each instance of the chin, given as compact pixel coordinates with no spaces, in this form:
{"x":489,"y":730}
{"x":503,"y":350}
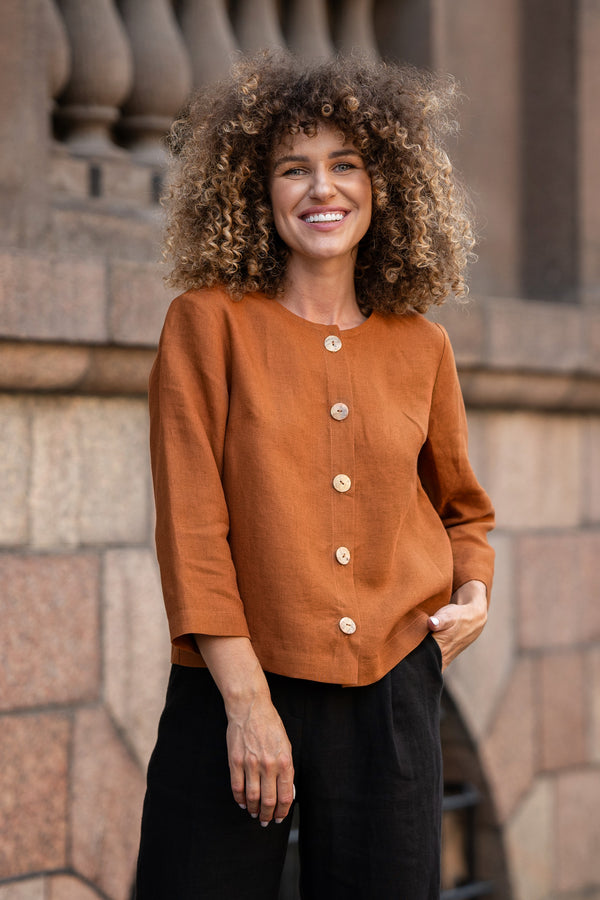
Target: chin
{"x":326,"y":252}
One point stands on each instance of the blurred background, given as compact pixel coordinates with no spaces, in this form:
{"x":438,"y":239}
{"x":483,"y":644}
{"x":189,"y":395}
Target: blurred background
{"x":87,"y":90}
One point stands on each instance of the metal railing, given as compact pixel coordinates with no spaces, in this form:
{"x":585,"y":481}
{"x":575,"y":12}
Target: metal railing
{"x":464,"y":796}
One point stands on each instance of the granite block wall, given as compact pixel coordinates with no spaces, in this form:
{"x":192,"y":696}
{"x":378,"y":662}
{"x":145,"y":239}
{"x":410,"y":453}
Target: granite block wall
{"x":83,"y":643}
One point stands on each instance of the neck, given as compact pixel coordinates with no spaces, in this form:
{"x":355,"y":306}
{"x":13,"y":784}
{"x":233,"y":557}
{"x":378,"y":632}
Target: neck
{"x":322,"y":291}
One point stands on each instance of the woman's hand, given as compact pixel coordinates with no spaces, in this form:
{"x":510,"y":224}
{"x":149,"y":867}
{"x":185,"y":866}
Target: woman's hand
{"x":260,"y":759}
{"x":457,"y":625}
{"x":259,"y":751}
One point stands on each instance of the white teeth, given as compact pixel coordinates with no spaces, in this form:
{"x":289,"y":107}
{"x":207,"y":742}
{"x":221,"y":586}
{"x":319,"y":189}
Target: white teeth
{"x":324,"y":217}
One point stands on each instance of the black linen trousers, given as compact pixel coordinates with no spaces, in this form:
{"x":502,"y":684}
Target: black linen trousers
{"x":368,"y":779}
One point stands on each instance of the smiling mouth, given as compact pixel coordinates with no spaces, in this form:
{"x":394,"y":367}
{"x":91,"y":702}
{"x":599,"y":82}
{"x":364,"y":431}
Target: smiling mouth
{"x":324,"y":217}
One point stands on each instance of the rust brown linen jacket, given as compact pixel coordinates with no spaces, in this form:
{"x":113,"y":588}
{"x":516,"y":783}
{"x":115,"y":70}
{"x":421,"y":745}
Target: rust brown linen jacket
{"x":255,"y":412}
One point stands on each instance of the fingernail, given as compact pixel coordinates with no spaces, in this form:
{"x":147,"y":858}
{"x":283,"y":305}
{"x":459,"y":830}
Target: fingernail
{"x":254,"y":815}
{"x":278,"y":821}
{"x":294,"y":789}
{"x":435,"y":621}
{"x":242,"y":805}
{"x":264,"y":824}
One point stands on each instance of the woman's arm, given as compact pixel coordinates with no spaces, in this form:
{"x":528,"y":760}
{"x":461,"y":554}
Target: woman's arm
{"x":449,"y":481}
{"x":189,"y":402}
{"x":260,"y":754}
{"x":465,"y":510}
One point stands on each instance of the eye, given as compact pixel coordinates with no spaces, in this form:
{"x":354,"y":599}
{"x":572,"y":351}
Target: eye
{"x":344,"y":166}
{"x":295,"y":172}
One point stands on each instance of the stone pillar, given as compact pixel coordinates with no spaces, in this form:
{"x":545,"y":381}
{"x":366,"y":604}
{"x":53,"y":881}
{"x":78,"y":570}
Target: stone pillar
{"x":257,"y":25}
{"x":23,"y":124}
{"x":354,"y":27}
{"x":161,"y":76}
{"x":307,"y":29}
{"x":58,"y":53}
{"x":479,"y":43}
{"x":588,"y":142}
{"x":404,"y":30}
{"x":209,"y":38}
{"x":548,"y":140}
{"x":439,"y":34}
{"x":101,"y":75}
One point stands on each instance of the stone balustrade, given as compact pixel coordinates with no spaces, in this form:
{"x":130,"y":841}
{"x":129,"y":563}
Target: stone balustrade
{"x":118,"y":71}
{"x":100,"y":77}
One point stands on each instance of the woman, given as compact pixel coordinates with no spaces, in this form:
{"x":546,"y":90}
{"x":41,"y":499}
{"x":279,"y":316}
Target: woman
{"x":320,"y":532}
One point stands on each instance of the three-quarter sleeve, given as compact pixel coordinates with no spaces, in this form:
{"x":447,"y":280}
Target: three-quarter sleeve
{"x":449,"y":481}
{"x":189,"y":401}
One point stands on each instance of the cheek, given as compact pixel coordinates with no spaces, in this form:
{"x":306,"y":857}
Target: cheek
{"x":364,"y":194}
{"x":282,"y":201}
{"x":367,"y":207}
{"x":276,"y":210}
{"x":279,"y":221}
{"x":368,"y":193}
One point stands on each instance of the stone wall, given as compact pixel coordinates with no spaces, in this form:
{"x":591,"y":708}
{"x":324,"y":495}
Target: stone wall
{"x":528,"y":689}
{"x":81,"y":304}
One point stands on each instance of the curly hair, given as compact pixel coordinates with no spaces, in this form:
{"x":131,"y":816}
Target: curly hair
{"x":220,"y":227}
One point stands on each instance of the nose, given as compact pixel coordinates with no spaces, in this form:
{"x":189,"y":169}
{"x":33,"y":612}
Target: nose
{"x":322,"y":186}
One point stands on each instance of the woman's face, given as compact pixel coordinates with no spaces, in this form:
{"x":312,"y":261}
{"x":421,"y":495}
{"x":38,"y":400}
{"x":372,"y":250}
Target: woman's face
{"x":320,"y":193}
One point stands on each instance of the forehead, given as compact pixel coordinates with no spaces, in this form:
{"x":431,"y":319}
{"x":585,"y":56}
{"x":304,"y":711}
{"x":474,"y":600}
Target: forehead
{"x":326,"y":138}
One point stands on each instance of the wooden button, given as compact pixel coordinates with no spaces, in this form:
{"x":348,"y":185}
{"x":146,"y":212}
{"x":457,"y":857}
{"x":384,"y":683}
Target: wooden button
{"x":342,"y":554}
{"x":339,"y":411}
{"x":332,"y":343}
{"x":342,"y":483}
{"x":347,"y":625}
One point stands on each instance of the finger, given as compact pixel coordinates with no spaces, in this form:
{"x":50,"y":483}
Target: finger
{"x":437,"y":623}
{"x":443,"y":618}
{"x":253,"y":793}
{"x":286,"y":794}
{"x":238,"y":784}
{"x":268,"y":800}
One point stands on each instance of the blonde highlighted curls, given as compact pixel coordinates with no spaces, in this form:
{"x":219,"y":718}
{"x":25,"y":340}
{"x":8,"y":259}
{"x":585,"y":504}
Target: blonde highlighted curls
{"x":220,"y":224}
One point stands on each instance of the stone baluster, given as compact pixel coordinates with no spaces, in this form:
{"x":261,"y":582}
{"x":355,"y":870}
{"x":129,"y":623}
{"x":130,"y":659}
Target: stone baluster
{"x":354,"y":27}
{"x":101,"y":75}
{"x":307,"y":29}
{"x":209,"y":38}
{"x":257,"y":25}
{"x":58,"y":52}
{"x":162,"y":76}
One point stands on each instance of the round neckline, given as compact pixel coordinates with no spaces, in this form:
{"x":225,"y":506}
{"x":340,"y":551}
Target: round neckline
{"x":322,"y":327}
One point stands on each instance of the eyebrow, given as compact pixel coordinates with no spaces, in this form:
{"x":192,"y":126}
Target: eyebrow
{"x":349,"y":151}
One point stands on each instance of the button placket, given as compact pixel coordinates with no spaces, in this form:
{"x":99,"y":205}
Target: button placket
{"x":342,"y":455}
